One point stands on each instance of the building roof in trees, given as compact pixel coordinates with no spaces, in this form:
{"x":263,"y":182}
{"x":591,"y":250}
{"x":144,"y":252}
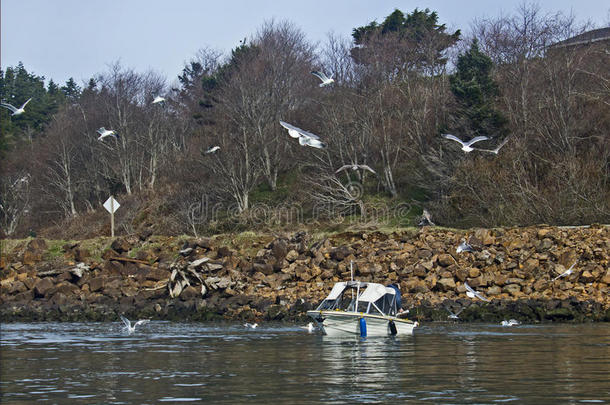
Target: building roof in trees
{"x":601,"y":34}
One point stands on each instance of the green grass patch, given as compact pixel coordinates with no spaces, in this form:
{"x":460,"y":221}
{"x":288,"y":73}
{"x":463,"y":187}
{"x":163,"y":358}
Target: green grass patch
{"x":54,"y":248}
{"x":96,"y":246}
{"x":286,"y":183}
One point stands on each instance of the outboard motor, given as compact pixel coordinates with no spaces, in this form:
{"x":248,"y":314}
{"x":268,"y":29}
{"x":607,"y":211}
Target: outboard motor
{"x":393,"y":330}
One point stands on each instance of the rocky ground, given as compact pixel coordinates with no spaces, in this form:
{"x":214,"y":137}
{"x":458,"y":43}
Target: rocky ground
{"x":279,"y":277}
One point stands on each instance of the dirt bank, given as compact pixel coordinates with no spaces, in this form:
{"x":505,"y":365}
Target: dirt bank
{"x":279,"y":277}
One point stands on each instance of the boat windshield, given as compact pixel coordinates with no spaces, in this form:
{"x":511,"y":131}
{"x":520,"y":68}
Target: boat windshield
{"x":345,"y":301}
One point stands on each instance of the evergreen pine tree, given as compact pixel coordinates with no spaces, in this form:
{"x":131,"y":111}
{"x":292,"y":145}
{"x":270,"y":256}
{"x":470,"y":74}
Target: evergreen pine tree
{"x":71,"y":90}
{"x":474,"y":88}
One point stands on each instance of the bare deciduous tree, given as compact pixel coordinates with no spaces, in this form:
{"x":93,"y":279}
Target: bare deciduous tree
{"x":14,"y":200}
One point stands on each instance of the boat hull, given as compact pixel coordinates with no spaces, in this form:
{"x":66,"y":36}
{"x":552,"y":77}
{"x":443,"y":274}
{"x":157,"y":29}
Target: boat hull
{"x":339,"y":323}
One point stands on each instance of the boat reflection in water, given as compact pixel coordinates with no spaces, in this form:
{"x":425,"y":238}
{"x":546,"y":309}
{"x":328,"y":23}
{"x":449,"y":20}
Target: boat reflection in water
{"x":356,"y":308}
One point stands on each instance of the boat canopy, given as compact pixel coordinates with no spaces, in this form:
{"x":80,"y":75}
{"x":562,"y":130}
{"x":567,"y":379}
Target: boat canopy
{"x":356,"y":296}
{"x":375,"y":291}
{"x":336,"y":291}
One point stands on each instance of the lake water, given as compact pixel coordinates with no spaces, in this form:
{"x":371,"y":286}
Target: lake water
{"x":163,"y":362}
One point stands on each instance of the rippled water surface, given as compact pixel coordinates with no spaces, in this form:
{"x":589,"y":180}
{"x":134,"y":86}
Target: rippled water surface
{"x":165,"y":362}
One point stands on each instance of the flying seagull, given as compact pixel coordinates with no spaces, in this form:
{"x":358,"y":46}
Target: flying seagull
{"x":306,"y":138}
{"x":473,"y":293}
{"x":466,"y":146}
{"x":212,"y":149}
{"x":322,"y":76}
{"x":106,"y":132}
{"x":16,"y":111}
{"x":464,"y":247}
{"x":355,"y":167}
{"x":510,"y":322}
{"x":426,"y":219}
{"x":314,"y":143}
{"x":497,"y":149}
{"x":567,"y":272}
{"x":454,"y":315}
{"x":158,"y":99}
{"x":250,"y":325}
{"x":132,"y":329}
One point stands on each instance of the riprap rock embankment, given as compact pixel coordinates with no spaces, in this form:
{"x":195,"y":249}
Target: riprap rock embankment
{"x":265,"y":277}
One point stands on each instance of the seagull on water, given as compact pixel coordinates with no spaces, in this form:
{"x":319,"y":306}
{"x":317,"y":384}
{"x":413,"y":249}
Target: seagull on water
{"x":306,"y":138}
{"x":355,"y":167}
{"x":250,"y":325}
{"x":567,"y":272}
{"x":106,"y":132}
{"x":322,"y":76}
{"x":464,"y":247}
{"x":212,"y":149}
{"x":497,"y":149}
{"x":510,"y":322}
{"x":466,"y":146}
{"x":15,"y":110}
{"x":132,"y":329}
{"x":426,"y":219}
{"x":473,"y":293}
{"x":309,"y":328}
{"x":158,"y":99}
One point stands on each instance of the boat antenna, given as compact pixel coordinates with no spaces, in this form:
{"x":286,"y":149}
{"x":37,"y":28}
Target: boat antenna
{"x":351,"y":269}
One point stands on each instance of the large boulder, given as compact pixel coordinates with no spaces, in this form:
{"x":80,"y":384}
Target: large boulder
{"x":292,"y":255}
{"x":96,"y":283}
{"x":120,"y":245}
{"x":341,"y":252}
{"x":43,"y":286}
{"x":34,"y":251}
{"x":445,"y":260}
{"x":512,"y":289}
{"x":446,"y":284}
{"x":606,"y":278}
{"x":279,"y":249}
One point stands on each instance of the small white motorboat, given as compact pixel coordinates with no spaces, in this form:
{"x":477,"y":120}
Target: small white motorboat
{"x":356,"y":308}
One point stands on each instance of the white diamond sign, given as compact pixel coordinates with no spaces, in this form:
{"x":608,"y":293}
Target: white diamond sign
{"x":111,"y":205}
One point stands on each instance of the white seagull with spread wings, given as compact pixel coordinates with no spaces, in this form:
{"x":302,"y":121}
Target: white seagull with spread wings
{"x":322,"y":76}
{"x":212,"y":149}
{"x":473,"y":293}
{"x":497,"y":149}
{"x":106,"y":132}
{"x":567,"y":272}
{"x":158,"y":99}
{"x":356,"y":167}
{"x":132,"y":329}
{"x":466,"y":146}
{"x":306,"y":138}
{"x":454,"y":315}
{"x":15,"y":110}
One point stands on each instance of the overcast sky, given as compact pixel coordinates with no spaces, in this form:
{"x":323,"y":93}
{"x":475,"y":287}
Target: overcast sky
{"x":59,"y":39}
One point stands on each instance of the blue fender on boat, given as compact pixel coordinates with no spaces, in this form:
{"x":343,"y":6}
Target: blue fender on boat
{"x":362,"y":327}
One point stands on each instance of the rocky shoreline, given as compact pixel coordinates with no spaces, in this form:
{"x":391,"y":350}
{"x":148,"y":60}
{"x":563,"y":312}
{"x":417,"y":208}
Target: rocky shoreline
{"x":279,"y":277}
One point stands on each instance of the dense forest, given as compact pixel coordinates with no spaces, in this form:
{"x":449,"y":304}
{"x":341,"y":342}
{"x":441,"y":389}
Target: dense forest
{"x":399,"y":85}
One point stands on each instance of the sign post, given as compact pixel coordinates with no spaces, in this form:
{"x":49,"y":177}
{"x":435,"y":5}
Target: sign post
{"x":111,"y":206}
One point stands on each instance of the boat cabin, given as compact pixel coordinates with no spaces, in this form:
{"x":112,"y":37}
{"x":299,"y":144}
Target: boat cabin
{"x":361,"y":297}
